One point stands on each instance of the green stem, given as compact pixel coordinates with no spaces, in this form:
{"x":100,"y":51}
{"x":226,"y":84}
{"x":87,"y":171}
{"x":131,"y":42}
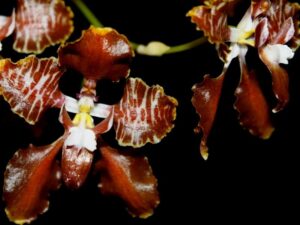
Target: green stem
{"x":186,"y":46}
{"x":90,"y":16}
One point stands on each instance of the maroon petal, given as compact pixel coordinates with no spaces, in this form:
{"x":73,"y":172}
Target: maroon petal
{"x":259,"y":7}
{"x":28,"y":178}
{"x":292,"y":10}
{"x":144,"y":114}
{"x":7,"y":26}
{"x":280,"y":81}
{"x":129,"y":178}
{"x":205,"y":100}
{"x":100,"y":53}
{"x":252,"y":106}
{"x":261,"y":33}
{"x":105,"y":125}
{"x":283,"y":19}
{"x":75,"y":165}
{"x":65,"y":119}
{"x":286,"y":32}
{"x":30,"y":86}
{"x":41,"y":23}
{"x":212,"y":20}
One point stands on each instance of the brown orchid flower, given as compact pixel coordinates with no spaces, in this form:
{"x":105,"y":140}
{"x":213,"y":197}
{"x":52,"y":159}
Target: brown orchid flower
{"x":270,"y":26}
{"x":144,"y":114}
{"x":38,"y":24}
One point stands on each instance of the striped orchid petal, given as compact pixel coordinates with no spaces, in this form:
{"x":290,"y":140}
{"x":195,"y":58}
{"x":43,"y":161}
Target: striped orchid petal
{"x":283,"y":22}
{"x":41,"y":23}
{"x":7,"y":26}
{"x":211,"y":18}
{"x":30,"y":86}
{"x":100,"y":53}
{"x":281,"y":16}
{"x":259,"y":7}
{"x":144,"y":114}
{"x":292,"y":10}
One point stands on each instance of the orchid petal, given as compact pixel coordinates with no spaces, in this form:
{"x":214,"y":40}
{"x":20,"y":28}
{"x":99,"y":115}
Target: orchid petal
{"x":80,"y":137}
{"x":261,"y":33}
{"x":283,"y":22}
{"x":272,"y":55}
{"x":100,"y":53}
{"x":65,"y":119}
{"x":7,"y":25}
{"x":30,"y":86}
{"x":28,"y":178}
{"x":205,"y":100}
{"x":129,"y":178}
{"x":285,"y":33}
{"x":249,"y":99}
{"x":212,"y":21}
{"x":277,"y":53}
{"x":99,"y":110}
{"x":75,"y":165}
{"x":41,"y":23}
{"x":259,"y":7}
{"x":71,"y":104}
{"x":144,"y":114}
{"x":105,"y":125}
{"x":292,"y":10}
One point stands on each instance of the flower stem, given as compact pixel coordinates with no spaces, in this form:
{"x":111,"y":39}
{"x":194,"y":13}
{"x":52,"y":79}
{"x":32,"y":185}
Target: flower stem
{"x":90,"y":16}
{"x":186,"y":46}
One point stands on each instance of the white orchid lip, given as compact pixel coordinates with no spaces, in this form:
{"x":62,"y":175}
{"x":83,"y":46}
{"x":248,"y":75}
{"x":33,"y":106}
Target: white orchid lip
{"x":278,"y":53}
{"x":81,"y":138}
{"x":81,"y":135}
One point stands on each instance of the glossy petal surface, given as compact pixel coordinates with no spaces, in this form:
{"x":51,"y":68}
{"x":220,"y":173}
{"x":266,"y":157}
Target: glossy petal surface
{"x":100,"y":53}
{"x":252,"y":106}
{"x":28,"y":178}
{"x":30,"y":86}
{"x":280,"y":79}
{"x":205,"y":100}
{"x":129,"y":178}
{"x":144,"y":114}
{"x":75,"y":165}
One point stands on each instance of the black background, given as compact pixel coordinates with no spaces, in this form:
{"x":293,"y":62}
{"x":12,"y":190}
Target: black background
{"x":244,"y":180}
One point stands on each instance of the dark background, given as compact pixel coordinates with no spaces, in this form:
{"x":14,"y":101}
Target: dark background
{"x":244,"y":180}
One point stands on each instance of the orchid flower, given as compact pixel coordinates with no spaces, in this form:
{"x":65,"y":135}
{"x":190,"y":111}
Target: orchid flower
{"x":37,"y":24}
{"x":270,"y":26}
{"x":143,"y":115}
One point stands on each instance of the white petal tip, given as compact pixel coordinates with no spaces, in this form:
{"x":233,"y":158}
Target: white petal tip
{"x":278,"y":53}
